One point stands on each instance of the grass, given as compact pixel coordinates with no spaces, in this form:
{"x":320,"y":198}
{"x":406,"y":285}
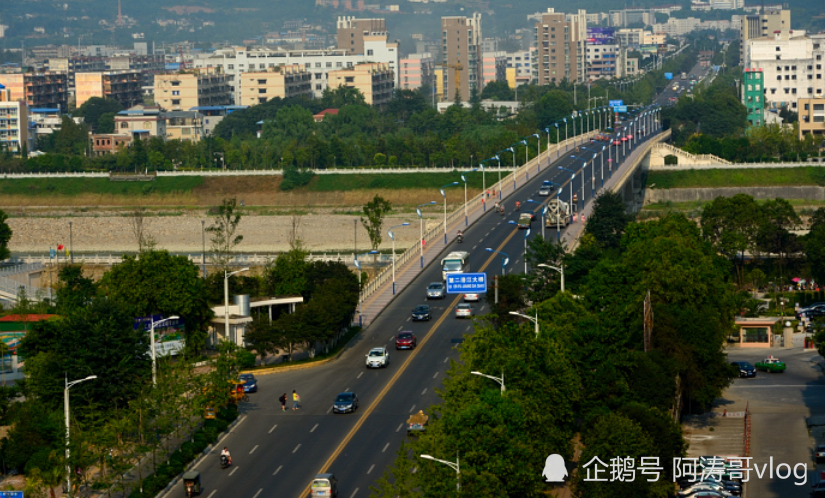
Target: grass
{"x":372,"y":181}
{"x":47,"y":187}
{"x":710,"y":178}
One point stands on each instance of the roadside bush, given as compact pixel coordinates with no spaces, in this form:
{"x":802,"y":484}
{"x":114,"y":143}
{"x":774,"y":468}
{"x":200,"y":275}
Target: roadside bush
{"x":294,"y":178}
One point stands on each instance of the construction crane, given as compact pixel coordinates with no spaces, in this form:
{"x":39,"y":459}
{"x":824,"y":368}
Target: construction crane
{"x":457,"y":67}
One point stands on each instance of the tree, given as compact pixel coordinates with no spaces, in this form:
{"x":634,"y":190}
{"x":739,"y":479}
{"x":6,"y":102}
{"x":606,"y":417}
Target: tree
{"x":286,"y":275}
{"x":511,"y":297}
{"x":731,"y":224}
{"x":814,"y":244}
{"x":373,"y":221}
{"x":95,"y":108}
{"x":74,"y":291}
{"x":137,"y":223}
{"x":774,"y":234}
{"x":5,"y":236}
{"x":222,"y":230}
{"x":261,"y":337}
{"x":497,"y":90}
{"x":159,"y":282}
{"x":336,"y":98}
{"x":609,"y":219}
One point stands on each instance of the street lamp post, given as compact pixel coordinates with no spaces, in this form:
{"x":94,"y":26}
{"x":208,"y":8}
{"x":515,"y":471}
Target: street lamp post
{"x":499,"y":176}
{"x":500,"y":380}
{"x":360,"y":294}
{"x":71,"y":245}
{"x":557,"y":142}
{"x":558,"y":216}
{"x":68,"y":386}
{"x":559,"y":269}
{"x":226,"y":276}
{"x":565,"y":134}
{"x":483,"y":183}
{"x":534,"y":320}
{"x":464,"y":179}
{"x":453,"y":465}
{"x":526,"y":234}
{"x":572,"y":177}
{"x":538,"y":146}
{"x":392,"y":236}
{"x":203,"y":248}
{"x":444,"y":195}
{"x":602,"y":160}
{"x":505,"y":259}
{"x":152,"y":345}
{"x":421,"y":229}
{"x":513,"y":150}
{"x":593,"y":177}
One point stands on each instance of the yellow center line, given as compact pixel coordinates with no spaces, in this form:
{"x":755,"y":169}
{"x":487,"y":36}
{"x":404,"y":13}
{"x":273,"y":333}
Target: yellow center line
{"x":365,"y":414}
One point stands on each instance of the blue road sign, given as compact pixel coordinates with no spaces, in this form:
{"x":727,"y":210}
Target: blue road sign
{"x":668,"y":76}
{"x":620,"y":108}
{"x":459,"y":283}
{"x":11,"y":494}
{"x":614,"y":103}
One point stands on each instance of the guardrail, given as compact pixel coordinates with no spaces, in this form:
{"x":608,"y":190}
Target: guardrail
{"x":37,"y":262}
{"x":236,"y":172}
{"x":10,"y":290}
{"x":699,"y":157}
{"x":17,"y":269}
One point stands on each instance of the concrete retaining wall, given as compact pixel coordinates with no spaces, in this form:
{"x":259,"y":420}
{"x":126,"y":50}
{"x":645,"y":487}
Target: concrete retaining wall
{"x":708,"y":194}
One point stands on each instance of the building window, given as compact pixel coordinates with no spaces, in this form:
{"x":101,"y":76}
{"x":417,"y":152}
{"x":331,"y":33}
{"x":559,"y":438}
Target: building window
{"x":349,"y":79}
{"x":807,"y":106}
{"x":261,"y":90}
{"x":175,"y":83}
{"x":175,"y":101}
{"x":319,"y":76}
{"x":819,"y":119}
{"x":819,"y":107}
{"x":262,"y":82}
{"x":319,"y":86}
{"x":175,"y":92}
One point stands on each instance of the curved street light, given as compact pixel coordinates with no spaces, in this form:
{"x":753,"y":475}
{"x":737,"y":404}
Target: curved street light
{"x":421,"y":231}
{"x":505,"y":259}
{"x":360,"y":293}
{"x":513,"y":150}
{"x":444,"y":195}
{"x":572,"y":177}
{"x":68,"y":386}
{"x":559,"y":269}
{"x":528,"y":317}
{"x":499,"y":176}
{"x":464,"y":179}
{"x":453,"y":465}
{"x":500,"y":380}
{"x":392,"y":236}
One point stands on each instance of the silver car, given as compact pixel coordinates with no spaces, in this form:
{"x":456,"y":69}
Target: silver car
{"x":436,"y":290}
{"x":378,"y":358}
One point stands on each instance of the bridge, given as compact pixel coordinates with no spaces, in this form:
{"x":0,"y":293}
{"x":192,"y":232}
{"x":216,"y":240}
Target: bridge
{"x":630,"y":181}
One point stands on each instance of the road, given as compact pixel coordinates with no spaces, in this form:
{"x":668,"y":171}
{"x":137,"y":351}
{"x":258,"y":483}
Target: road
{"x":276,"y":452}
{"x":779,"y":406}
{"x":669,"y":96}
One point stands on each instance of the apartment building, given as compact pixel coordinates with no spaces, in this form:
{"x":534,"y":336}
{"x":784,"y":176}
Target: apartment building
{"x":101,"y":144}
{"x":76,"y":64}
{"x":374,"y":80}
{"x":603,"y":61}
{"x":282,"y":82}
{"x":811,"y":117}
{"x":212,"y":115}
{"x":762,"y":25}
{"x":792,"y":66}
{"x":677,"y":27}
{"x":461,"y":55}
{"x":493,"y":67}
{"x":519,"y":67}
{"x":141,"y":119}
{"x":351,"y":32}
{"x":200,"y":87}
{"x":560,"y":47}
{"x":38,"y":89}
{"x":184,"y":125}
{"x":14,"y":123}
{"x":122,"y":86}
{"x":417,"y":70}
{"x":234,"y":61}
{"x":753,"y":98}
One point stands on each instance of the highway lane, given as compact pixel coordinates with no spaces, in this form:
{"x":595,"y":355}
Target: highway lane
{"x":279,"y":453}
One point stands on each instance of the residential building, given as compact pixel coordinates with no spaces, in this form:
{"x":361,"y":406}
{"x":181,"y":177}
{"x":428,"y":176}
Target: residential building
{"x":630,"y":37}
{"x":627,"y":66}
{"x":378,"y":49}
{"x":38,"y":89}
{"x":184,"y":125}
{"x":522,"y":65}
{"x":200,"y":87}
{"x":417,"y":70}
{"x":461,"y":55}
{"x":234,"y":61}
{"x":560,"y":48}
{"x":212,"y":115}
{"x":627,"y":17}
{"x":76,"y":64}
{"x":373,"y":80}
{"x":141,"y":119}
{"x":148,"y":65}
{"x":14,"y":123}
{"x":351,"y":32}
{"x":122,"y":86}
{"x":761,"y":25}
{"x":45,"y":121}
{"x":811,"y":116}
{"x":489,"y":45}
{"x":493,"y":67}
{"x":677,"y":27}
{"x":602,"y":61}
{"x":753,"y":98}
{"x":792,"y":65}
{"x":276,"y":82}
{"x":111,"y":143}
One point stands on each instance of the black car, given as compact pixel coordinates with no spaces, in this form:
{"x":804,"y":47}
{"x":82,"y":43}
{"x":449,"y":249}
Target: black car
{"x":745,"y":368}
{"x":345,"y":402}
{"x":421,"y":312}
{"x":812,"y":312}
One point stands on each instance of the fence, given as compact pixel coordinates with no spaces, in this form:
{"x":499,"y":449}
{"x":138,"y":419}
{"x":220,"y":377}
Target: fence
{"x":236,"y":172}
{"x":38,"y":261}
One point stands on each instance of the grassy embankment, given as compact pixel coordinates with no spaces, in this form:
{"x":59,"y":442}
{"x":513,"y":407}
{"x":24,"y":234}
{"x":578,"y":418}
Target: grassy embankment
{"x":322,"y":191}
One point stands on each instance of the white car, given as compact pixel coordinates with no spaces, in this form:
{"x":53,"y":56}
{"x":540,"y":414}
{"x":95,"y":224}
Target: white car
{"x":471,"y":297}
{"x":378,"y":358}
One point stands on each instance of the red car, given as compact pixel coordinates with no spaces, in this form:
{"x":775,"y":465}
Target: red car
{"x":624,"y":139}
{"x":405,"y":340}
{"x":630,"y":137}
{"x":616,"y":143}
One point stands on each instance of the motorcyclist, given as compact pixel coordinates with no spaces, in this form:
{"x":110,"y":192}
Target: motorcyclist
{"x":225,"y":453}
{"x":518,"y":205}
{"x":460,"y":236}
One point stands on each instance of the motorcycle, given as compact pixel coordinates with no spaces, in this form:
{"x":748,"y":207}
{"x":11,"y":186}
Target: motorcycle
{"x":225,"y":461}
{"x":518,"y":207}
{"x":460,"y":238}
{"x":501,"y":210}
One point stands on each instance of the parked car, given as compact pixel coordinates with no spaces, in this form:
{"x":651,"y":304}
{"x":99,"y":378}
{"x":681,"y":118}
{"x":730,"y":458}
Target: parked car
{"x":345,"y":402}
{"x":378,"y":358}
{"x":745,"y":368}
{"x":421,"y":312}
{"x":436,"y":290}
{"x":471,"y":297}
{"x":463,"y":310}
{"x":405,"y":340}
{"x":250,"y":383}
{"x":819,"y":453}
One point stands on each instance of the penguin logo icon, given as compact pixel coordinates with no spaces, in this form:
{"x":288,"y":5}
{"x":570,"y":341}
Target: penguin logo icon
{"x":554,"y":468}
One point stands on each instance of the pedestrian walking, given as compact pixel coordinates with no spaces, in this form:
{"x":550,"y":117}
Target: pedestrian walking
{"x":488,"y":193}
{"x":295,"y":400}
{"x":282,"y":399}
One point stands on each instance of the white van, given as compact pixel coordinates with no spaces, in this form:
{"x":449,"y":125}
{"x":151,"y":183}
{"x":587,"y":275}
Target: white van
{"x":324,"y":485}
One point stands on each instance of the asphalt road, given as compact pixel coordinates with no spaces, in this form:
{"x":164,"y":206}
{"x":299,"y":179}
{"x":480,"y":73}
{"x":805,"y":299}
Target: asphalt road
{"x":277,"y":453}
{"x":664,"y":98}
{"x":780,"y":404}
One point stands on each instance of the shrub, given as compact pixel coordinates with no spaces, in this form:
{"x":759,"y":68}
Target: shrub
{"x":671,"y":160}
{"x":294,"y":177}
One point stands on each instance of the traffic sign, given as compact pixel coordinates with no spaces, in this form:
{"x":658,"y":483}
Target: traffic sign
{"x":614,"y":103}
{"x":459,"y":283}
{"x":620,"y":108}
{"x":11,"y":494}
{"x":668,"y":76}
